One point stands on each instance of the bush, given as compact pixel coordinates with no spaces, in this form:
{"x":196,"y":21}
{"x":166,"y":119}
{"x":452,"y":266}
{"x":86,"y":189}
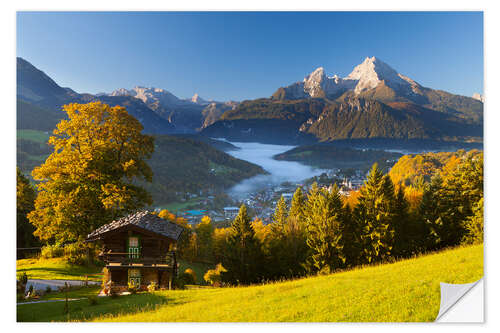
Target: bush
{"x":76,"y":253}
{"x":179,"y":283}
{"x":186,"y":278}
{"x":48,"y":289}
{"x":190,"y":272}
{"x":152,"y":286}
{"x":52,"y":251}
{"x":213,"y":276}
{"x":92,"y":300}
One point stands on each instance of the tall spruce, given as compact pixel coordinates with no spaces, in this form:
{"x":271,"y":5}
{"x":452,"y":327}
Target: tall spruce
{"x":374,"y":213}
{"x":404,"y":231}
{"x":242,"y":256}
{"x":324,"y":230}
{"x":430,"y":215}
{"x":280,"y":218}
{"x":297,"y":207}
{"x":25,"y":203}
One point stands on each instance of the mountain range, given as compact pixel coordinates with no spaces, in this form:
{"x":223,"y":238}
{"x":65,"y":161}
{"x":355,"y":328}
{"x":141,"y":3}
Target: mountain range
{"x":373,"y":101}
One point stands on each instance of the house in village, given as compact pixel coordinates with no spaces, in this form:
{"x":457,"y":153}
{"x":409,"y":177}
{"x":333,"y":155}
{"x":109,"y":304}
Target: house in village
{"x":139,"y":248}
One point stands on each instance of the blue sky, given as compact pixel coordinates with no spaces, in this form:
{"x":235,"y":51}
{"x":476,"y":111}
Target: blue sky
{"x":244,"y":55}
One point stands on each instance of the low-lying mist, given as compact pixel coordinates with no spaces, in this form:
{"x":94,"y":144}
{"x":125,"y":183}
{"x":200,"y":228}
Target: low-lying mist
{"x":279,"y":171}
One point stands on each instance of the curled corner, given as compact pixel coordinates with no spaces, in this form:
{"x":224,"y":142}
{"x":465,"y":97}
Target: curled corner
{"x":451,"y":294}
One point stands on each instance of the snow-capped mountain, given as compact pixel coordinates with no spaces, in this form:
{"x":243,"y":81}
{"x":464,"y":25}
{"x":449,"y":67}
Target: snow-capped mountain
{"x":198,"y":100}
{"x":150,"y":95}
{"x":368,"y":75}
{"x":187,"y":115}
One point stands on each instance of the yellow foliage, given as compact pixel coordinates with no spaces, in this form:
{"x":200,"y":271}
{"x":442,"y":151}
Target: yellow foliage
{"x":87,"y":180}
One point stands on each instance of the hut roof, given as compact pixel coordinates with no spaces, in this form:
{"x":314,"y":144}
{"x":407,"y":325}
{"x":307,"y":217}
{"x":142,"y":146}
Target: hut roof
{"x":145,"y":220}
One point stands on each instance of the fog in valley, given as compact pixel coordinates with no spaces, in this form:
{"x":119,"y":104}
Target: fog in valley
{"x":279,"y":171}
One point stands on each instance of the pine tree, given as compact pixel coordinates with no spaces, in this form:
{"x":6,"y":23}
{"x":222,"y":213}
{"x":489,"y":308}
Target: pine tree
{"x":280,"y":218}
{"x":242,"y":256}
{"x":25,"y":203}
{"x":430,"y":226}
{"x":351,"y":239}
{"x":297,"y":208}
{"x":374,"y":214}
{"x":404,"y":233}
{"x":324,"y":230}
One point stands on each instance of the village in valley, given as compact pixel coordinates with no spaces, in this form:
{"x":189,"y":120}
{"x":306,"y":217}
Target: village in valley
{"x":263,"y":202}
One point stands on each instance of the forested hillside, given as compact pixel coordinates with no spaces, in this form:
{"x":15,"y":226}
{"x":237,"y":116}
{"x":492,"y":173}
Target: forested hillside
{"x":179,"y":164}
{"x":330,"y":156}
{"x":308,"y":120}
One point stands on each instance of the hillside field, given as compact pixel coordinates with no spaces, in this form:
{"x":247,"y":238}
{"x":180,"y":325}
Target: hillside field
{"x":405,"y":291}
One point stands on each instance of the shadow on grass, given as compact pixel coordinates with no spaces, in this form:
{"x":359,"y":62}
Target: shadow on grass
{"x":81,"y":310}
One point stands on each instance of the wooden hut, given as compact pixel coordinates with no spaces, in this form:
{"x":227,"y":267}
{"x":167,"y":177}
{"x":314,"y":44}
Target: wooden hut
{"x":138,"y":248}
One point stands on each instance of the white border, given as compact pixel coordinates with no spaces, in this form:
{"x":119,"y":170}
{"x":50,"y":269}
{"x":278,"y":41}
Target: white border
{"x":7,"y":130}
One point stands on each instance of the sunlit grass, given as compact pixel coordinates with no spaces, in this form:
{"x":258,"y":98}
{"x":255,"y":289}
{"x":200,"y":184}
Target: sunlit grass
{"x":404,"y":291}
{"x":57,"y":269}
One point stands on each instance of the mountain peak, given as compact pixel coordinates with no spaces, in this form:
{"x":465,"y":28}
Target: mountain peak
{"x":371,"y":72}
{"x":198,"y":100}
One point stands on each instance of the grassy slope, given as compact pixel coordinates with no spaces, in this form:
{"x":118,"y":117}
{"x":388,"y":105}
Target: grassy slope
{"x":56,"y":269}
{"x":404,"y":291}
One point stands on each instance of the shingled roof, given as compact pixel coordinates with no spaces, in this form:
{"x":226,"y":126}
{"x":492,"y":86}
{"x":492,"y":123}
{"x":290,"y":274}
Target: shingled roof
{"x":144,"y":220}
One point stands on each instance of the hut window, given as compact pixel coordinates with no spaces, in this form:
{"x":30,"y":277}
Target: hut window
{"x":133,"y":247}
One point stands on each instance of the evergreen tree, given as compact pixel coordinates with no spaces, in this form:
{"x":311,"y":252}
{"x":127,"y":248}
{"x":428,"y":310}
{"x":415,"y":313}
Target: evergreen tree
{"x":404,"y":231}
{"x":25,"y":203}
{"x":324,"y":230}
{"x":280,"y":217}
{"x":297,"y":208}
{"x":374,"y":213}
{"x":351,"y":239}
{"x":242,"y":257}
{"x":430,"y":212}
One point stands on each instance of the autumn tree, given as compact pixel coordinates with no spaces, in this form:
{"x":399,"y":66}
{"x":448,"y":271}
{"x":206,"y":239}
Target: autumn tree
{"x":88,"y":180}
{"x":205,"y":232}
{"x":25,"y":199}
{"x":185,"y":242}
{"x":473,"y":225}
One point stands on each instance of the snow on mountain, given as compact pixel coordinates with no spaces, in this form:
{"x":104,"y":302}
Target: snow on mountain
{"x":478,"y":96}
{"x":150,"y":95}
{"x":371,"y":72}
{"x":198,"y":100}
{"x":368,"y":75}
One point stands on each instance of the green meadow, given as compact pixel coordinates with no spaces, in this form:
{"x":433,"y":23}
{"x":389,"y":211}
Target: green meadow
{"x":405,"y":291}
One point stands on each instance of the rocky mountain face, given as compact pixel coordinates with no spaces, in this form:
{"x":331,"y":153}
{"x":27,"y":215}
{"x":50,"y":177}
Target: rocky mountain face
{"x":373,"y":101}
{"x":374,"y":79}
{"x":311,"y":120}
{"x":185,"y":115}
{"x":40,"y":97}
